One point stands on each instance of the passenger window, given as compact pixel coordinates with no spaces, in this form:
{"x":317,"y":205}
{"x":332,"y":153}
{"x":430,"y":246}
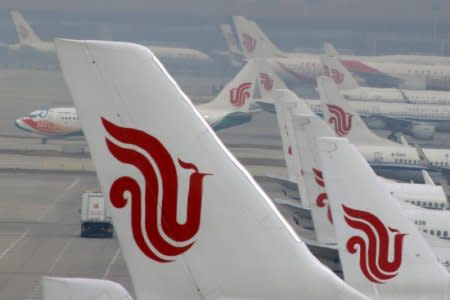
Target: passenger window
{"x":438,"y":233}
{"x":445,"y":233}
{"x":432,"y":232}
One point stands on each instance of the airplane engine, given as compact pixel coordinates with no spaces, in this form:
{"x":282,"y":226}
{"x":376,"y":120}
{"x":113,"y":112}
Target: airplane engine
{"x":375,"y":123}
{"x":422,"y":131}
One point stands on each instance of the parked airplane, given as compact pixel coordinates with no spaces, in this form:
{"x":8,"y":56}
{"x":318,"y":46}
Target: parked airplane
{"x":386,"y":157}
{"x":29,"y":39}
{"x":382,"y":253}
{"x":351,"y":89}
{"x":419,"y":118}
{"x":58,"y":122}
{"x":211,"y":250}
{"x":230,"y":108}
{"x":380,"y":71}
{"x":307,"y":127}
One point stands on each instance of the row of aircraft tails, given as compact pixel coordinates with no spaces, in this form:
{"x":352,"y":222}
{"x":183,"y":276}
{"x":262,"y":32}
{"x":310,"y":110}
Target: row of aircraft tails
{"x":414,"y":112}
{"x":246,"y":40}
{"x":183,"y":236}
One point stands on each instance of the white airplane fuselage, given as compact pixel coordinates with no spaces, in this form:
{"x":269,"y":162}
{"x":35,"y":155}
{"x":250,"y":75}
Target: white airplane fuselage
{"x":416,"y":76}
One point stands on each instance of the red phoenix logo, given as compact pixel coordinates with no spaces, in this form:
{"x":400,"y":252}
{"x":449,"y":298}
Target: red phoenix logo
{"x":341,"y":120}
{"x":322,"y":198}
{"x":249,"y":42}
{"x":337,"y":76}
{"x":376,"y":263}
{"x":239,"y":95}
{"x":266,"y":81}
{"x":145,"y":210}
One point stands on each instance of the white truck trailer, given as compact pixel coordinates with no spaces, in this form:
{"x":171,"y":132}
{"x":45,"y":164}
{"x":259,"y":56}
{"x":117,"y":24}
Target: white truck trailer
{"x":95,"y":217}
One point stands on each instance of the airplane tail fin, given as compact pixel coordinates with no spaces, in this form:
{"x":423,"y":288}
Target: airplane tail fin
{"x":382,"y":253}
{"x":285,"y":101}
{"x":186,"y":213}
{"x":234,"y":53}
{"x":342,"y":118}
{"x":333,"y":68}
{"x":26,"y":34}
{"x":299,"y":128}
{"x":237,"y":95}
{"x":55,"y":288}
{"x":232,"y":43}
{"x":254,"y":42}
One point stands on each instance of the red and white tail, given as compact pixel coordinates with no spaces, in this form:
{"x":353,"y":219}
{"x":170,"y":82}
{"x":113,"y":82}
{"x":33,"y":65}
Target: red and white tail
{"x":382,"y":253}
{"x":333,"y":68}
{"x":26,"y":34}
{"x":254,"y":42}
{"x":307,"y":127}
{"x":237,"y":95}
{"x":343,"y":118}
{"x":191,"y":221}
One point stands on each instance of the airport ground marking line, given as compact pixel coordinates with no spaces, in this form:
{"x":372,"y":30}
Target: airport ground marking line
{"x":13,"y":244}
{"x":111,"y":263}
{"x":60,"y":255}
{"x":57,"y":199}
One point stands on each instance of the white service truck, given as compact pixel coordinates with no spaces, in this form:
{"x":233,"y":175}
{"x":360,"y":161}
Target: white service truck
{"x":95,"y":217}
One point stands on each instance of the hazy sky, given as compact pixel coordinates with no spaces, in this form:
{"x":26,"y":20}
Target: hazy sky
{"x":409,"y":10}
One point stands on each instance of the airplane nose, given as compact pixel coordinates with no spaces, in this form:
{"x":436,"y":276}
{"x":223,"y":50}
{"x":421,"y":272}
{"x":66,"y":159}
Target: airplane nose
{"x":19,"y":124}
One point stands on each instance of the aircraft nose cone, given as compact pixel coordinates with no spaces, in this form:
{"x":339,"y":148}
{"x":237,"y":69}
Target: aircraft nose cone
{"x":18,"y":123}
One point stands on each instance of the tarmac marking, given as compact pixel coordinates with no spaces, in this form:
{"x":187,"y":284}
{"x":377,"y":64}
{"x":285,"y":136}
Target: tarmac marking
{"x":13,"y":244}
{"x":57,"y":199}
{"x":111,"y":263}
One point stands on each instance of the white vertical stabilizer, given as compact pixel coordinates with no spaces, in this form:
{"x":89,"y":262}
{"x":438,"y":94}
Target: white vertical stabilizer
{"x":254,"y":42}
{"x":333,"y":68}
{"x":343,"y":119}
{"x":382,"y":253}
{"x":218,"y":235}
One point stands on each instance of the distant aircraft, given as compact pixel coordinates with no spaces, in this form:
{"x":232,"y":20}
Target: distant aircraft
{"x":58,"y":122}
{"x":29,"y":39}
{"x":385,"y":156}
{"x":417,"y":114}
{"x":230,"y":108}
{"x":383,"y":254}
{"x":351,"y":89}
{"x":307,"y":128}
{"x":416,"y":72}
{"x":231,"y":242}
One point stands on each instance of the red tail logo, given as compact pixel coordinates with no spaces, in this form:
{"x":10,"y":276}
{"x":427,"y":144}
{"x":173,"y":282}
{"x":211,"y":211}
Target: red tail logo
{"x":266,"y":81}
{"x":155,"y":228}
{"x":341,"y":120}
{"x":335,"y":74}
{"x":249,"y":42}
{"x":322,"y":198}
{"x":376,"y":263}
{"x":239,"y":95}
